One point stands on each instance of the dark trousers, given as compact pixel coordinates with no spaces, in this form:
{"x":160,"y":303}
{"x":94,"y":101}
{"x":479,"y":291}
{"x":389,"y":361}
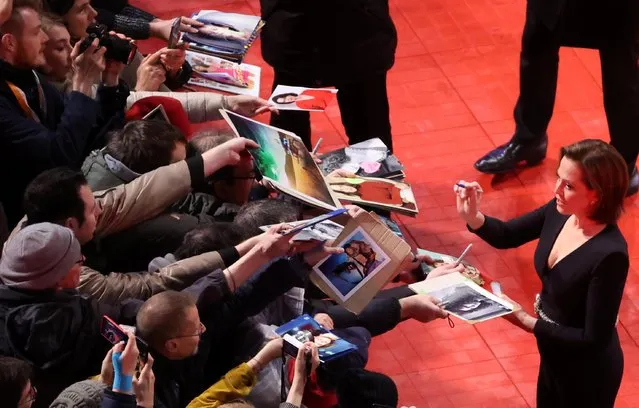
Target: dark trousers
{"x":580,"y":25}
{"x":363,"y":107}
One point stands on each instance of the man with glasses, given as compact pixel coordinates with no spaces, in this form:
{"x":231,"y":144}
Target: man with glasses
{"x":188,"y":357}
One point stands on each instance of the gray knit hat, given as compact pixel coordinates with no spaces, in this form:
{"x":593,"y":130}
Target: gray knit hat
{"x":83,"y":394}
{"x":39,"y":256}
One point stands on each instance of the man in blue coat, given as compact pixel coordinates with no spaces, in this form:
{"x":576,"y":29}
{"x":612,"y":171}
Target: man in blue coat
{"x":41,"y":128}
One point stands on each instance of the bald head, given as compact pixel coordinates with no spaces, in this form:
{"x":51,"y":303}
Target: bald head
{"x":162,"y":317}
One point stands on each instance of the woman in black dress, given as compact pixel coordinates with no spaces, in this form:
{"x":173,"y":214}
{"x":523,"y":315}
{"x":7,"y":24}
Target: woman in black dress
{"x":582,"y":261}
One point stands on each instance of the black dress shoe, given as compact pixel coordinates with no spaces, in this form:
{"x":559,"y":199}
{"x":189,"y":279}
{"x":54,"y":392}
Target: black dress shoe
{"x":508,"y":157}
{"x":633,"y":185}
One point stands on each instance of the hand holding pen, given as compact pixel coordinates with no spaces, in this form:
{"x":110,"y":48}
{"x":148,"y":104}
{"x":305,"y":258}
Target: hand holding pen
{"x":468,"y":199}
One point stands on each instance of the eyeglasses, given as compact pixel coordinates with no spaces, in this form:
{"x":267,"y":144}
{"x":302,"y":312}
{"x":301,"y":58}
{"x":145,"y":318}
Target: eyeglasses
{"x":201,"y":331}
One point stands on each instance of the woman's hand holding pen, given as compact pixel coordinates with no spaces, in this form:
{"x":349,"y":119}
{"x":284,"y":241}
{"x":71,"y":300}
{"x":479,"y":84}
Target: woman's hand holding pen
{"x":468,"y":198}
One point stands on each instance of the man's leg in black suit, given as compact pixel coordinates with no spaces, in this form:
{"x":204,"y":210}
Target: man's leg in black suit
{"x":298,"y":122}
{"x":620,"y":79}
{"x":364,"y":109}
{"x":538,"y":67}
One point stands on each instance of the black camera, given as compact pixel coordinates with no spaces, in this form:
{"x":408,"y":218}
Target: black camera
{"x":117,"y":49}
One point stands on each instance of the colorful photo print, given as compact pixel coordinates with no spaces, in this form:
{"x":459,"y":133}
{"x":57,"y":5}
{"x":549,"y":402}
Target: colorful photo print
{"x":347,"y":272}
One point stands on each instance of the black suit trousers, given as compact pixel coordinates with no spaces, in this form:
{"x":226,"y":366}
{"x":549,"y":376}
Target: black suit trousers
{"x":581,"y":24}
{"x":363,"y":107}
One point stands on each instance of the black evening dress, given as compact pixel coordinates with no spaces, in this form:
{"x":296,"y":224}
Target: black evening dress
{"x":581,"y":358}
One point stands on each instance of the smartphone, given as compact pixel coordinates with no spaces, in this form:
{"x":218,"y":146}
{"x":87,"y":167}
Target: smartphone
{"x":174,"y":37}
{"x":114,"y":334}
{"x":316,"y":220}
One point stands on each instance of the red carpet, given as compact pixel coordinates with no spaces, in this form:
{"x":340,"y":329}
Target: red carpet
{"x":452,"y":92}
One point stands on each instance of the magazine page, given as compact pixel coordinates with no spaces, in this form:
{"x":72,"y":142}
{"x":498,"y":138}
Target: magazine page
{"x":227,"y":32}
{"x":284,"y":161}
{"x":351,"y":158}
{"x":223,"y":75}
{"x":469,"y":271}
{"x":305,"y":328}
{"x":376,"y":192}
{"x":302,"y":99}
{"x":464,"y":299}
{"x":324,"y":231}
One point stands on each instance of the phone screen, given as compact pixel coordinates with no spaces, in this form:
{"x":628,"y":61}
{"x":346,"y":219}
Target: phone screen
{"x":111,"y":331}
{"x":174,"y":37}
{"x":317,"y":220}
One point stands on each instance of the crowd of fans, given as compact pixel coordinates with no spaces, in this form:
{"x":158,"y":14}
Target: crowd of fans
{"x":157,"y":228}
{"x":106,"y":216}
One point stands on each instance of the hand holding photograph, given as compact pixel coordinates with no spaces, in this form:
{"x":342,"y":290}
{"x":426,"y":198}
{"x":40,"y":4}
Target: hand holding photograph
{"x":347,"y":272}
{"x":469,"y":270}
{"x":225,"y":35}
{"x":284,"y":161}
{"x":326,"y":230}
{"x":304,"y":329}
{"x":302,"y":99}
{"x":464,"y":299}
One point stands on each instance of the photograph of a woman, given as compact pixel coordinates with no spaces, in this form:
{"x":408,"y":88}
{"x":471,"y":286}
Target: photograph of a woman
{"x":306,"y":99}
{"x":219,"y":70}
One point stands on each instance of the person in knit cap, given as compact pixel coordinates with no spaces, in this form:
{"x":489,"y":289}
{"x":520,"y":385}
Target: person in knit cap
{"x":43,"y":319}
{"x":83,"y":394}
{"x":42,"y":257}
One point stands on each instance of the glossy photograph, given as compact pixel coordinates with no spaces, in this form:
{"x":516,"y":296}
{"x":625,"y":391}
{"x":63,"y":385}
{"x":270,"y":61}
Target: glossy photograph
{"x":347,"y":272}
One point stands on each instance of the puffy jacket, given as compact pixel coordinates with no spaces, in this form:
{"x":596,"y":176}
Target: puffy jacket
{"x":330,"y":40}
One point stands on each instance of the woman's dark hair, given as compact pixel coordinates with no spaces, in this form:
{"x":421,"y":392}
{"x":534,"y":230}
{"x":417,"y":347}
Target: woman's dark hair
{"x":605,"y":172}
{"x":280,"y":99}
{"x":54,"y":195}
{"x":206,"y":238}
{"x":144,"y":145}
{"x":14,"y":376}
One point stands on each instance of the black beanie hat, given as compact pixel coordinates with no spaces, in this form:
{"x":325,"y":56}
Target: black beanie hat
{"x":360,"y":388}
{"x":58,"y":7}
